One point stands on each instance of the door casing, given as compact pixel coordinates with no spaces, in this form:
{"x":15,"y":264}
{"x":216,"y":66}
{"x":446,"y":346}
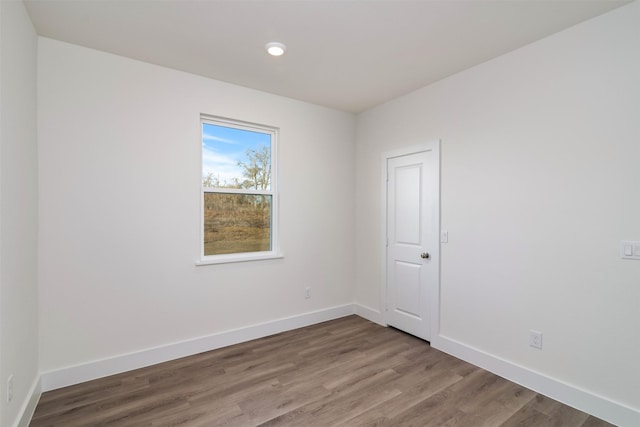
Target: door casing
{"x":434,"y":288}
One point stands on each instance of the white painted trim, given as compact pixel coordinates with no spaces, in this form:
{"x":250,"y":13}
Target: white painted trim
{"x":435,"y":297}
{"x":101,"y":368}
{"x":384,"y":243}
{"x":369,"y":313}
{"x":614,"y":412}
{"x":251,"y":256}
{"x":599,"y":406}
{"x":274,"y":253}
{"x":29,"y":405}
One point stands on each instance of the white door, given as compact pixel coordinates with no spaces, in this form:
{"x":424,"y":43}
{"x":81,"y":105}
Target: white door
{"x":412,"y":261}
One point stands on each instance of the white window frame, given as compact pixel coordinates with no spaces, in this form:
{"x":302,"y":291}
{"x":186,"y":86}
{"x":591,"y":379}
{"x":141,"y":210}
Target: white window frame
{"x":273,"y":192}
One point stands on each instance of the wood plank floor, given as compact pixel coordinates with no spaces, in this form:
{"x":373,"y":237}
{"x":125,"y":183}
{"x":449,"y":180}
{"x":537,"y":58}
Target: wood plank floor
{"x":346,"y":372}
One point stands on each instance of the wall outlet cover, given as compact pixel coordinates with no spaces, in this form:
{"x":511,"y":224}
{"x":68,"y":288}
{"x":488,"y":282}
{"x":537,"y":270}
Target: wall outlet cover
{"x":535,"y":339}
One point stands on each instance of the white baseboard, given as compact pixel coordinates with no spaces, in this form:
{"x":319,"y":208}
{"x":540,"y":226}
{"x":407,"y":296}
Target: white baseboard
{"x":29,"y":405}
{"x":601,"y":407}
{"x":369,"y":313}
{"x":101,"y":368}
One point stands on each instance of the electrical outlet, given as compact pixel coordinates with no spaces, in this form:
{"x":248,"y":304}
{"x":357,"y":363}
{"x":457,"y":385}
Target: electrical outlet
{"x":307,"y":292}
{"x":535,"y":339}
{"x":10,"y":388}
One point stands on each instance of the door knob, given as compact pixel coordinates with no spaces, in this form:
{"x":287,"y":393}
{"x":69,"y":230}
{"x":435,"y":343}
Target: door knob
{"x":424,"y":255}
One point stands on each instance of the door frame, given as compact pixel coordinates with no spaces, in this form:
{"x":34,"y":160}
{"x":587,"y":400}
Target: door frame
{"x":435,"y":288}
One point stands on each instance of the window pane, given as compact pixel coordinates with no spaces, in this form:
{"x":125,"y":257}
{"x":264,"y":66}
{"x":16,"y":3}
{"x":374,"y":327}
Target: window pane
{"x":236,"y":223}
{"x":235,"y":158}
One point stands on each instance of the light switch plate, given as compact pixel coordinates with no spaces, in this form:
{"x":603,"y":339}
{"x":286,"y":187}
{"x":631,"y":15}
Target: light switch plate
{"x":630,"y":249}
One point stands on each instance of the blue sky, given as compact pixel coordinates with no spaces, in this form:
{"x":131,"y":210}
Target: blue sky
{"x":224,"y":147}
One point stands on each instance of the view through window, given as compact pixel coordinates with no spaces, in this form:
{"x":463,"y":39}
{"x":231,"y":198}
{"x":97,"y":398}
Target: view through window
{"x":237,"y":187}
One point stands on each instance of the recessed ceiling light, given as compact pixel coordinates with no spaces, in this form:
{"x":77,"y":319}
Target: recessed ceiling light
{"x":275,"y":48}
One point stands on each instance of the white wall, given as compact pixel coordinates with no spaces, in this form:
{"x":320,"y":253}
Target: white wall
{"x":119,"y":150}
{"x":539,"y":174}
{"x":18,"y":211}
{"x":540,"y":182}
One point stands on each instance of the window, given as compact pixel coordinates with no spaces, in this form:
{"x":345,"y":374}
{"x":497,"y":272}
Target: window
{"x":239,"y":206}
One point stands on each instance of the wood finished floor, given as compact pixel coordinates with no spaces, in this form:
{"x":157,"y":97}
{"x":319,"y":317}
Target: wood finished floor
{"x":346,"y":372}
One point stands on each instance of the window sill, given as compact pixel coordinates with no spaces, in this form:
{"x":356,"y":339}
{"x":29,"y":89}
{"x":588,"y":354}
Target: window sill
{"x":226,"y":259}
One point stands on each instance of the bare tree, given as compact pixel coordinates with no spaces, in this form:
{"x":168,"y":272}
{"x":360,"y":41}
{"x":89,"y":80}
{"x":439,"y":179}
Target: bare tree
{"x":257,"y":176}
{"x":257,"y":168}
{"x":209,"y":180}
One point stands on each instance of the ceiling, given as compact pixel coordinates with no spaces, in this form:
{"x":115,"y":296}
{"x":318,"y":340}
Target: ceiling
{"x":348,"y":55}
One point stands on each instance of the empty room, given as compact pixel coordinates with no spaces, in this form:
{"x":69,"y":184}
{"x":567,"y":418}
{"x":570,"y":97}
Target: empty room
{"x":319,"y":213}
